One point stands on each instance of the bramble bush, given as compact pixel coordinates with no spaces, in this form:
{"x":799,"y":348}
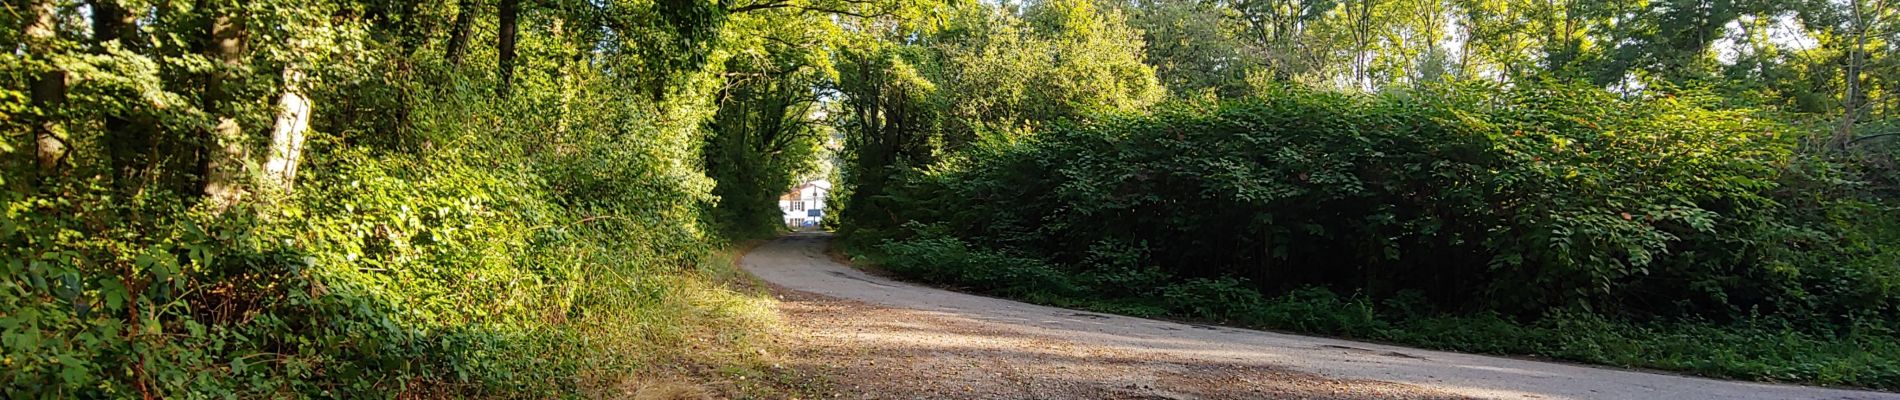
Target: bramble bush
{"x":1531,"y":207}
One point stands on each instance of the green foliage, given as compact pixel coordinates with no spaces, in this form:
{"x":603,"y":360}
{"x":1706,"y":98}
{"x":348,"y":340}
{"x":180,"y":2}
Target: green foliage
{"x":1005,"y":74}
{"x":988,"y":73}
{"x":1194,"y":47}
{"x":345,"y":198}
{"x":1506,"y":204}
{"x":384,"y":275}
{"x":436,"y":241}
{"x":765,"y":134}
{"x":948,"y":260}
{"x":1210,"y":299}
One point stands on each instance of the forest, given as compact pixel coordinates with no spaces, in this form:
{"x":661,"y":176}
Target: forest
{"x":543,"y":198}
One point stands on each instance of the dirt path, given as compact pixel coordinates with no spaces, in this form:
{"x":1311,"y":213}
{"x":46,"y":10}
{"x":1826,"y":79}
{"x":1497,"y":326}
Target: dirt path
{"x":882,"y":339}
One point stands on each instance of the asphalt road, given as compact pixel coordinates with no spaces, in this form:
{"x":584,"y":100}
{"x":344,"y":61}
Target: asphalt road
{"x":798,"y":262}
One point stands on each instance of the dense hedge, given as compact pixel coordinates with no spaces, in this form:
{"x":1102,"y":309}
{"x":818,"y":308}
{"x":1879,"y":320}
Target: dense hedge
{"x":1538,"y":199}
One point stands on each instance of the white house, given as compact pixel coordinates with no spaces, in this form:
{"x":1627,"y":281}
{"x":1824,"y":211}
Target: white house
{"x":804,"y":206}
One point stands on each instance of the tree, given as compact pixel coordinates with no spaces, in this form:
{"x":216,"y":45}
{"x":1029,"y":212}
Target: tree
{"x":1281,"y":28}
{"x":1863,"y":21}
{"x":1194,"y":47}
{"x":463,"y":26}
{"x":509,"y":18}
{"x":114,"y":28}
{"x":224,"y":168}
{"x":49,"y":88}
{"x":766,"y":132}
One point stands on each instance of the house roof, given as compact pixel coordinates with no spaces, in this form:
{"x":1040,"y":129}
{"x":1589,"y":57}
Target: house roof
{"x":796,"y":192}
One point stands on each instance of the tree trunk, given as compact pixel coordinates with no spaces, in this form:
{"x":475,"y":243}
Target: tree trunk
{"x":506,"y":46}
{"x":558,"y":29}
{"x":49,"y":88}
{"x":224,"y":166}
{"x":1850,"y":101}
{"x":127,"y":144}
{"x":287,"y":134}
{"x":458,"y":37}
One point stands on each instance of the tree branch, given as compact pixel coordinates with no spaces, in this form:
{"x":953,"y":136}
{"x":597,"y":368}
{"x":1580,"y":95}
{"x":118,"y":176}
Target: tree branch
{"x":785,"y":4}
{"x":758,"y":6}
{"x":1869,"y":137}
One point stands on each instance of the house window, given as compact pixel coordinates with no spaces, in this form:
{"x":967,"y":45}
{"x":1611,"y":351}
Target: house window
{"x":798,"y":206}
{"x":798,"y":222}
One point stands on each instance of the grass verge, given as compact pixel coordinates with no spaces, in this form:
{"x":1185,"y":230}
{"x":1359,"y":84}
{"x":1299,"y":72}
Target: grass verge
{"x":710,"y":326}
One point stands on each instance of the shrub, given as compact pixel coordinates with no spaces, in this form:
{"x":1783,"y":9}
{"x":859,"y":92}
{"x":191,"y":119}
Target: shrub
{"x":1224,"y":299}
{"x":948,"y":260}
{"x":1547,"y":196}
{"x":468,"y":270}
{"x":1547,"y":218}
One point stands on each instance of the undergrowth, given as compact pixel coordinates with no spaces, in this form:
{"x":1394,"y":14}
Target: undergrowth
{"x":471,"y":270}
{"x":400,"y":277}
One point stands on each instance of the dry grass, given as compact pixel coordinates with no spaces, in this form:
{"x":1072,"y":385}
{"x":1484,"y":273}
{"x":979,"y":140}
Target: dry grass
{"x":671,"y":391}
{"x":634,"y":389}
{"x":712,"y":332}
